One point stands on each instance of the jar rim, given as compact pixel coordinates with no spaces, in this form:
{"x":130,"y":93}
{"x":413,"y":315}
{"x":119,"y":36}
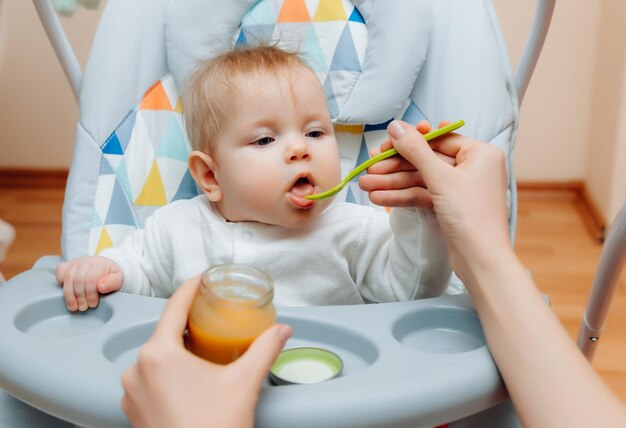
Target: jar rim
{"x":244,"y":275}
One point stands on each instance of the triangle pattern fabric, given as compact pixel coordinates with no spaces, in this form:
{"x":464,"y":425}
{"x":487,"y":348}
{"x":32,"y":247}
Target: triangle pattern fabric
{"x":125,"y":130}
{"x":330,"y":10}
{"x":413,"y":114}
{"x":312,"y":52}
{"x":294,"y":11}
{"x":362,"y":157}
{"x":312,"y":6}
{"x":105,"y":167}
{"x":241,"y":41}
{"x":173,"y":143}
{"x":172,"y":172}
{"x":119,"y":209}
{"x":333,"y":109}
{"x":262,"y":13}
{"x":328,"y":33}
{"x":155,"y":99}
{"x":345,"y":57}
{"x":102,"y":198}
{"x":96,"y":221}
{"x":178,"y":108}
{"x":112,"y":145}
{"x":187,"y":188}
{"x":350,"y":196}
{"x":153,"y":192}
{"x":259,"y":34}
{"x":158,"y":123}
{"x":356,"y":16}
{"x":121,"y":175}
{"x":292,"y":35}
{"x":139,"y":156}
{"x":377,"y":126}
{"x":104,"y":241}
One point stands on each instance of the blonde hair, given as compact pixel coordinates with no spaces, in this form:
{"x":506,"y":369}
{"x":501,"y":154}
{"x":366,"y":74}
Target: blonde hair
{"x":211,"y":85}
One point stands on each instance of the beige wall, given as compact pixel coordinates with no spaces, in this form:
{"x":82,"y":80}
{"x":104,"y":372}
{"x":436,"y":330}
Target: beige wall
{"x":606,"y":167}
{"x":575,"y":89}
{"x":38,"y":112}
{"x":573,"y":120}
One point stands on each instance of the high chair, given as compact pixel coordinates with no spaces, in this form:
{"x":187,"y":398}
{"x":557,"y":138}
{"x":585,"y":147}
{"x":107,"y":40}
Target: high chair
{"x":417,"y":363}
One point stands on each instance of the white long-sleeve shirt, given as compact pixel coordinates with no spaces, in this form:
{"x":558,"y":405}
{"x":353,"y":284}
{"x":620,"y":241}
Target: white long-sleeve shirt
{"x":348,"y":254}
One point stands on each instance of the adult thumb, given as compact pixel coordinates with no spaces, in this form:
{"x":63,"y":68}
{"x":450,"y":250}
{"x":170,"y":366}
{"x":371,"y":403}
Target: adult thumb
{"x":413,"y":147}
{"x":258,"y":359}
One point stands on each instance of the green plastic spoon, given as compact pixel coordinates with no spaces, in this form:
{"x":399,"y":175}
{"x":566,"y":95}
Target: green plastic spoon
{"x":384,"y":155}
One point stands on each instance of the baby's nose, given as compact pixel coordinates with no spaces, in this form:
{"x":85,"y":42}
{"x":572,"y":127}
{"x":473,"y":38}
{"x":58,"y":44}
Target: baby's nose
{"x":298,"y":150}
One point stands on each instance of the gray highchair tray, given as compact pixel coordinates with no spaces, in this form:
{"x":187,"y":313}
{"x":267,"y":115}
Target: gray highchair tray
{"x":418,"y":363}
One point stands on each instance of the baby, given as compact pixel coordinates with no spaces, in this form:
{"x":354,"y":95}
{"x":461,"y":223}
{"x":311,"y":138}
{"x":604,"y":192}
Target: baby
{"x":263,"y":140}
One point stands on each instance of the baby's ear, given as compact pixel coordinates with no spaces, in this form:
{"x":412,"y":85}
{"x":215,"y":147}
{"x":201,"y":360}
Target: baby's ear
{"x":202,"y":168}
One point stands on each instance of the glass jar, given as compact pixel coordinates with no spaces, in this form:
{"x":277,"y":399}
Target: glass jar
{"x":233,"y":306}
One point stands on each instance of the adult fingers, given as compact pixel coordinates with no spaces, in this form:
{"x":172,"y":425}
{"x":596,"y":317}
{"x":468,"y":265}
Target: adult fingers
{"x":398,"y":163}
{"x":423,"y":127}
{"x":110,"y":283}
{"x":393,"y":181}
{"x":411,"y":197}
{"x":392,"y":164}
{"x":414,"y":148}
{"x":173,"y":319}
{"x":256,"y":362}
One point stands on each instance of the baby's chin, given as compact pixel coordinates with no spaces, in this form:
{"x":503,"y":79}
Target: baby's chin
{"x":295,"y":218}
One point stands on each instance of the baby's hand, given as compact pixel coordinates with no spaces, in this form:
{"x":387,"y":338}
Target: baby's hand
{"x":394,"y":182}
{"x":85,"y":278}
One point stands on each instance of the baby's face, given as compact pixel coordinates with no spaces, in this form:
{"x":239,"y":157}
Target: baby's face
{"x":277,"y":148}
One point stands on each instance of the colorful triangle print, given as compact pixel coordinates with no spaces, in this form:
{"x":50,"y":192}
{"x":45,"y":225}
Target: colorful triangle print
{"x":241,"y":41}
{"x":125,"y":130}
{"x":155,"y":99}
{"x":345,"y":58}
{"x":187,"y":188}
{"x":294,"y":11}
{"x":350,"y":197}
{"x":312,"y":52}
{"x":263,"y":13}
{"x":104,"y":242}
{"x":173,"y":143}
{"x":362,"y":157}
{"x":178,"y":108}
{"x":113,"y":146}
{"x":330,"y":10}
{"x":119,"y":208}
{"x":153,"y":192}
{"x":356,"y":16}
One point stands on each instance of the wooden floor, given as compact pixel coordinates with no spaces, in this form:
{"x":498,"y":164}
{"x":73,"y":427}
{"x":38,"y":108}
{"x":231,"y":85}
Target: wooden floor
{"x":551,"y":241}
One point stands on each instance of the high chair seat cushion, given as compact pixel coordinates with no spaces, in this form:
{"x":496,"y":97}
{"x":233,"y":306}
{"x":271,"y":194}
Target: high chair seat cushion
{"x":198,"y":29}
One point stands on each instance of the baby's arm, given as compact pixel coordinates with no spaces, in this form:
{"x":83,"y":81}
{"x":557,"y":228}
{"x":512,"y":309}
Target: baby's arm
{"x":402,"y":257}
{"x":85,"y":278}
{"x":147,"y":271}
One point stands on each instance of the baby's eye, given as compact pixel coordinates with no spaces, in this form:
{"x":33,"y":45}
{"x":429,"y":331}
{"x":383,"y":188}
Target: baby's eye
{"x":263,"y":141}
{"x":315,"y":134}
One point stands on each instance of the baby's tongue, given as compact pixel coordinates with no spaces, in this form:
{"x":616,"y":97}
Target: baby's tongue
{"x":302,"y":188}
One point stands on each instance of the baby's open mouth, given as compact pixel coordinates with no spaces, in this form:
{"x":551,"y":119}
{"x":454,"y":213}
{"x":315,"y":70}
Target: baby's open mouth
{"x":303,"y":186}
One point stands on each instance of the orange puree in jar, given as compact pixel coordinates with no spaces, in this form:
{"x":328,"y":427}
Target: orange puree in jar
{"x":233,"y":306}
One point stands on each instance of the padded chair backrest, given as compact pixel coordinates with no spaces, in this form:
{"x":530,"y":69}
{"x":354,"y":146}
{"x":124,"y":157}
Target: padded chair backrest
{"x":377,"y":60}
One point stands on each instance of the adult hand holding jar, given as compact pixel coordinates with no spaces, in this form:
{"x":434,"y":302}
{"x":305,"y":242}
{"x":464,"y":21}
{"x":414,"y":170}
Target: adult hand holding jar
{"x":190,"y":391}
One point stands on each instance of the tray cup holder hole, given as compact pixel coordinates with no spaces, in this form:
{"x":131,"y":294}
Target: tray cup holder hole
{"x":440,"y":331}
{"x":50,"y":318}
